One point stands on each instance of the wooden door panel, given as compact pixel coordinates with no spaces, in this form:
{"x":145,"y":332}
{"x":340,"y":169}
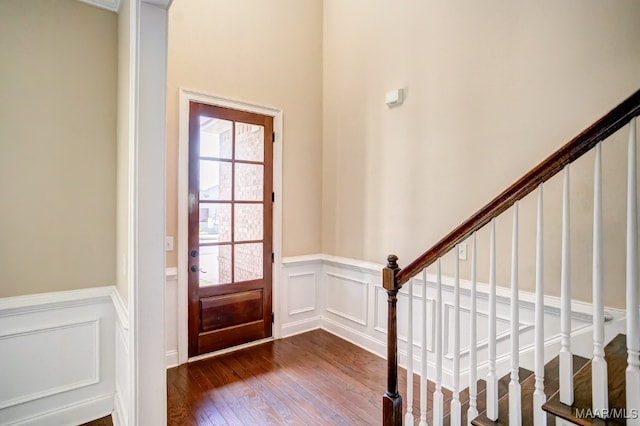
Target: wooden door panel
{"x":231,"y":336}
{"x":231,"y":309}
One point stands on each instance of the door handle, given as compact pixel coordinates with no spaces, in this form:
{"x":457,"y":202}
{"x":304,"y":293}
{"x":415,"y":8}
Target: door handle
{"x":194,"y":268}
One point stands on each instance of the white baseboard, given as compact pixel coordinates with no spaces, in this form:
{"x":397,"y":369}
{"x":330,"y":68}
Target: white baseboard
{"x":301,"y":326}
{"x":172,"y":358}
{"x":357,"y":338}
{"x":58,"y":357}
{"x":82,"y":412}
{"x":118,"y":416}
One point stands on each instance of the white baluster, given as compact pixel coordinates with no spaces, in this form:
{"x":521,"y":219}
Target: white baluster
{"x":515,"y":406}
{"x":408,"y":417}
{"x":438,"y":400}
{"x":566,"y":357}
{"x":472,"y":413}
{"x":492,"y":378}
{"x":423,"y":354}
{"x":633,"y":317}
{"x":539,"y":398}
{"x":456,"y":407}
{"x":599,"y":389}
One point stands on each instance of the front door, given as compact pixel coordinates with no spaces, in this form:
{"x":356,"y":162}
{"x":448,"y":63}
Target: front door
{"x":230,"y":227}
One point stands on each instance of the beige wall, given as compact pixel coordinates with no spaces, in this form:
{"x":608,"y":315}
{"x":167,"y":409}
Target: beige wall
{"x":57,"y":146}
{"x":492,"y":88}
{"x":264,"y":53}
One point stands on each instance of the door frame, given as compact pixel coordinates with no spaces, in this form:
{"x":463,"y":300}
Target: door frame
{"x":187,"y":96}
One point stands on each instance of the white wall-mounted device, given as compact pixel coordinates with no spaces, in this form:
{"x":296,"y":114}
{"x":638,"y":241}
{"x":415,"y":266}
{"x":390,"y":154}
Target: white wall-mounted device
{"x":394,"y":97}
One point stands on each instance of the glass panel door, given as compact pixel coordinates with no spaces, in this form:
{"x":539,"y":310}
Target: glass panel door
{"x":230,"y":213}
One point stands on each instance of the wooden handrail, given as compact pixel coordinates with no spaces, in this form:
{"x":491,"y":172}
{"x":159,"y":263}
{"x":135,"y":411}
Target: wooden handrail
{"x":574,"y":149}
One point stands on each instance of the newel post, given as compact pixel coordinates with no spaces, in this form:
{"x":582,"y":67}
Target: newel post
{"x":391,"y":400}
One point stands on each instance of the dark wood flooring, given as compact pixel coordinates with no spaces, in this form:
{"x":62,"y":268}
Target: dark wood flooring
{"x":105,"y":421}
{"x":313,"y":378}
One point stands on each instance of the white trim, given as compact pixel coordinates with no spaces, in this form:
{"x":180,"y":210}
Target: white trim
{"x":171,"y":274}
{"x":172,"y":358}
{"x":146,"y":216}
{"x":99,"y":404}
{"x":111,"y":5}
{"x":353,"y":264}
{"x":53,"y":300}
{"x":122,"y":311}
{"x":118,"y":415}
{"x":183,"y":190}
{"x":301,"y":326}
{"x":358,"y":338}
{"x":300,"y":260}
{"x":372,"y":335}
{"x":580,"y":310}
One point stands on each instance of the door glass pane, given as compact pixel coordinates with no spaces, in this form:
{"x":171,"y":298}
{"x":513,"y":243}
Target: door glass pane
{"x":249,"y":182}
{"x":215,"y":137}
{"x":248,"y":222}
{"x":215,"y":265}
{"x":215,"y":180}
{"x":247,"y":262}
{"x":215,"y":223}
{"x":249,"y":142}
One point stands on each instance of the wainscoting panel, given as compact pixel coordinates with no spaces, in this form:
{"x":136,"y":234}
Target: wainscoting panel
{"x":302,"y":289}
{"x":347,"y":297}
{"x":300,"y":297}
{"x":171,"y":316}
{"x":353,"y":305}
{"x":58,"y":358}
{"x":22,"y":350}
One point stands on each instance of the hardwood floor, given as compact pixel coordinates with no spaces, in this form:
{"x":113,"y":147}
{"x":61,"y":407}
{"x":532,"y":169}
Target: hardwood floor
{"x":313,"y":378}
{"x":105,"y":421}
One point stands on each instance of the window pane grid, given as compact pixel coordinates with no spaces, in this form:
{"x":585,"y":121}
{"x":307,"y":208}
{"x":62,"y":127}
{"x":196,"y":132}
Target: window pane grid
{"x":231,"y":202}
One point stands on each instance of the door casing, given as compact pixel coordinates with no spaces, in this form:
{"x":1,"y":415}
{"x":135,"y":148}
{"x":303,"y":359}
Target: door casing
{"x":187,"y":96}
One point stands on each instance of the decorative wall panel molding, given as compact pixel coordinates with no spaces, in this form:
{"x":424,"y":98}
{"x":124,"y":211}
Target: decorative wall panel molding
{"x":301,"y":292}
{"x":23,"y":357}
{"x":347,"y":297}
{"x":58,"y":357}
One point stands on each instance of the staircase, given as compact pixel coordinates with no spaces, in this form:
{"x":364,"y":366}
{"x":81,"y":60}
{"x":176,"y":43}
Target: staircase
{"x":616,"y":357}
{"x":558,"y":386}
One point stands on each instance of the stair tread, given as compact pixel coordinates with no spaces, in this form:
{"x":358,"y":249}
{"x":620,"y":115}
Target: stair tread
{"x":527,"y":386}
{"x":503,"y":389}
{"x":616,"y":357}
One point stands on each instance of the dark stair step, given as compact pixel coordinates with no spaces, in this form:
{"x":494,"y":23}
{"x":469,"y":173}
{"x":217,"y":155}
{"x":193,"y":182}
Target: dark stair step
{"x":615,"y":353}
{"x":481,"y":401}
{"x":527,"y":386}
